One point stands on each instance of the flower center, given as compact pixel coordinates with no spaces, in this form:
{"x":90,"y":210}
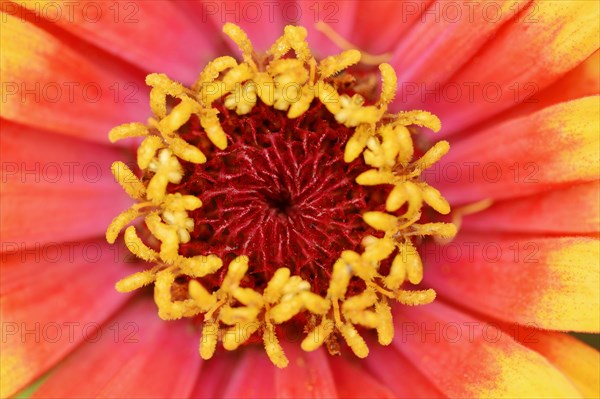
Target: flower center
{"x":273,"y":193}
{"x":280,"y":193}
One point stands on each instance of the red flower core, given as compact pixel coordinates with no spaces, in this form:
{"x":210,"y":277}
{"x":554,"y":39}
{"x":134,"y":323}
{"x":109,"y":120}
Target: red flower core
{"x":280,"y":193}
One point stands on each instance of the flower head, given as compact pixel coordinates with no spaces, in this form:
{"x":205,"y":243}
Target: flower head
{"x":299,"y":206}
{"x":244,"y":152}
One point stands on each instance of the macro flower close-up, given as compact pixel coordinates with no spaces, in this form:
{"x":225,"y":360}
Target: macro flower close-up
{"x":300,"y":199}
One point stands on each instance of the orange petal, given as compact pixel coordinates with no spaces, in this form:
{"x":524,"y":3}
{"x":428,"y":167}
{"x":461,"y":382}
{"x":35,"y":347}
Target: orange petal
{"x":215,"y":377}
{"x":337,"y":14}
{"x":137,"y":355}
{"x":354,"y":381}
{"x":575,"y":359}
{"x":53,"y":299}
{"x":448,"y":34}
{"x":572,"y":210}
{"x":263,"y":22}
{"x":380,"y":25}
{"x":48,"y":85}
{"x":466,"y":358}
{"x":308,"y":374}
{"x":386,"y":364}
{"x":533,"y":50}
{"x":549,"y":283}
{"x":252,"y":376}
{"x":583,"y":81}
{"x":155,"y":36}
{"x":546,"y":150}
{"x":55,"y":188}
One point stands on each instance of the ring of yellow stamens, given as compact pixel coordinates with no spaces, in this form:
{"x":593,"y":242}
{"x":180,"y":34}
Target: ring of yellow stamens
{"x":232,"y":314}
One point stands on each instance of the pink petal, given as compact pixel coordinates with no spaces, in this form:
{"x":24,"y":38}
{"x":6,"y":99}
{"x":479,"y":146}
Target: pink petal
{"x":397,"y":373}
{"x":352,"y":380}
{"x":154,"y":35}
{"x":263,"y":22}
{"x":137,"y":356}
{"x":380,"y":25}
{"x":49,"y":85}
{"x":572,"y":210}
{"x":215,"y":376}
{"x":252,"y":377}
{"x":308,"y":374}
{"x":339,"y":15}
{"x":583,"y":81}
{"x":54,"y":297}
{"x":56,"y":188}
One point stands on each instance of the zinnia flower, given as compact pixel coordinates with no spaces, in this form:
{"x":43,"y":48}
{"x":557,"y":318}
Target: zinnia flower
{"x":304,"y":225}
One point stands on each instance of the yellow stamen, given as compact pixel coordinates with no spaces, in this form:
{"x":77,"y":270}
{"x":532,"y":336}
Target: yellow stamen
{"x":136,"y":246}
{"x":210,"y":73}
{"x":316,"y":337}
{"x":419,"y":118}
{"x":203,"y":298}
{"x":385,"y":328}
{"x":119,"y":223}
{"x":208,"y":342}
{"x":128,"y":180}
{"x":272,"y":346}
{"x":212,"y":126}
{"x":168,"y":309}
{"x":136,"y":281}
{"x":414,"y":298}
{"x":354,"y":340}
{"x":333,"y":64}
{"x":167,"y":169}
{"x":127,"y":130}
{"x":240,"y":38}
{"x":368,"y":59}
